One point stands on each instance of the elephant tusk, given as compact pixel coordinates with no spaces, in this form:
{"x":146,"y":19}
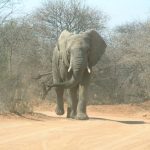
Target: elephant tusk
{"x":69,"y":68}
{"x":89,"y":70}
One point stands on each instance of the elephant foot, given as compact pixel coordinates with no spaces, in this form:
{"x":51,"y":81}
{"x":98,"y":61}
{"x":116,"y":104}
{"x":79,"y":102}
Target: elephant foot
{"x":73,"y":115}
{"x":70,"y":114}
{"x":59,"y":111}
{"x":82,"y":116}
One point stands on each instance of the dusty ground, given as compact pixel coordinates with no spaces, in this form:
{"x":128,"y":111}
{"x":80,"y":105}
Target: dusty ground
{"x":110,"y":127}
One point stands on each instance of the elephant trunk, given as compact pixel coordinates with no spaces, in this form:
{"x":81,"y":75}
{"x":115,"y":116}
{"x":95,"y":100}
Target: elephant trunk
{"x":77,"y":66}
{"x":66,"y":84}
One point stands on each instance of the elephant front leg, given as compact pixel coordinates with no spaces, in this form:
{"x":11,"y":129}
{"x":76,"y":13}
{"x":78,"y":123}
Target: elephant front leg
{"x":59,"y":101}
{"x":81,"y":108}
{"x":72,"y":103}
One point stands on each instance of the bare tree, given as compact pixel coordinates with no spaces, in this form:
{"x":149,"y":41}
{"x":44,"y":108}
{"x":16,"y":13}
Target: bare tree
{"x":73,"y":15}
{"x":20,"y":53}
{"x":6,"y":9}
{"x":130,"y":48}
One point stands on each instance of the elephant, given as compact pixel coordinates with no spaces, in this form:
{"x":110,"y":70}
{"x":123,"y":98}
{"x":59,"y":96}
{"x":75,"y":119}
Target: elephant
{"x":73,"y":58}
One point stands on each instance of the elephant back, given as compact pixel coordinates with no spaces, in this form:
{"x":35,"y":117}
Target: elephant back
{"x":62,"y":45}
{"x":62,"y":40}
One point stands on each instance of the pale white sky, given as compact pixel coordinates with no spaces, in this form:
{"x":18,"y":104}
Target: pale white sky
{"x":119,"y":11}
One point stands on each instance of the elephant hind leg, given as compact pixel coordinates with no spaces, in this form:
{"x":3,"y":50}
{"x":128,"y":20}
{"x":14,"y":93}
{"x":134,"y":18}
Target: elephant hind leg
{"x":45,"y":92}
{"x":72,"y":103}
{"x":59,"y":101}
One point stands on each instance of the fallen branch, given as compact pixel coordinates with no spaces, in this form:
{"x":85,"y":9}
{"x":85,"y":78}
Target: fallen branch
{"x":41,"y":75}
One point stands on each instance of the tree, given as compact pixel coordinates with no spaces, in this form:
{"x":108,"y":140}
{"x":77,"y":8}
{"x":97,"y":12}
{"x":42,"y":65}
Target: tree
{"x":73,"y":15}
{"x":7,"y":9}
{"x":19,"y":54}
{"x":130,"y":48}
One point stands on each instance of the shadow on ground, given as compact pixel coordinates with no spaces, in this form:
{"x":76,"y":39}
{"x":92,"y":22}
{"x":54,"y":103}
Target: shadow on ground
{"x":120,"y":121}
{"x":40,"y":117}
{"x":43,"y":117}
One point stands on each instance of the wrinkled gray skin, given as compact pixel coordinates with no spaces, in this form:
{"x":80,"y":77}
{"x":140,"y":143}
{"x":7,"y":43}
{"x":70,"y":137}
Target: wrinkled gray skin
{"x":73,"y":59}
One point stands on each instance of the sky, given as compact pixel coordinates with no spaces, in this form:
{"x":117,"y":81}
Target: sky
{"x":119,"y":11}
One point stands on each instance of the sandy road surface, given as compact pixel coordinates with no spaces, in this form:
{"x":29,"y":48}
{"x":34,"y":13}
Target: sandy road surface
{"x":107,"y":129}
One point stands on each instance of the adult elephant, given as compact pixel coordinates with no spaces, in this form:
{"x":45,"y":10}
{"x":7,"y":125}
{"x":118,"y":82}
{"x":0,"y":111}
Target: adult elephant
{"x":73,"y":59}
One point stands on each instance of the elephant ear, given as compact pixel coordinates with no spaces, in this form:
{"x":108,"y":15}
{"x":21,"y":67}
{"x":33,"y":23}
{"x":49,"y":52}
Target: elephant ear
{"x":62,"y":45}
{"x":97,"y":47}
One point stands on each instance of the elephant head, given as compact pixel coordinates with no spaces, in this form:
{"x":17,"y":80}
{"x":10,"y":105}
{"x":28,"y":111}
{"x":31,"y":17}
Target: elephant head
{"x":80,"y":52}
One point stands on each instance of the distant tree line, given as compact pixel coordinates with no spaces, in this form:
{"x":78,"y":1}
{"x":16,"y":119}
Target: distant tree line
{"x":26,"y":46}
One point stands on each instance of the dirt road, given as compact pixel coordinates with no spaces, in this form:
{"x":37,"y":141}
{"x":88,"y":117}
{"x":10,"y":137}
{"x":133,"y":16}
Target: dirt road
{"x":109,"y":128}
